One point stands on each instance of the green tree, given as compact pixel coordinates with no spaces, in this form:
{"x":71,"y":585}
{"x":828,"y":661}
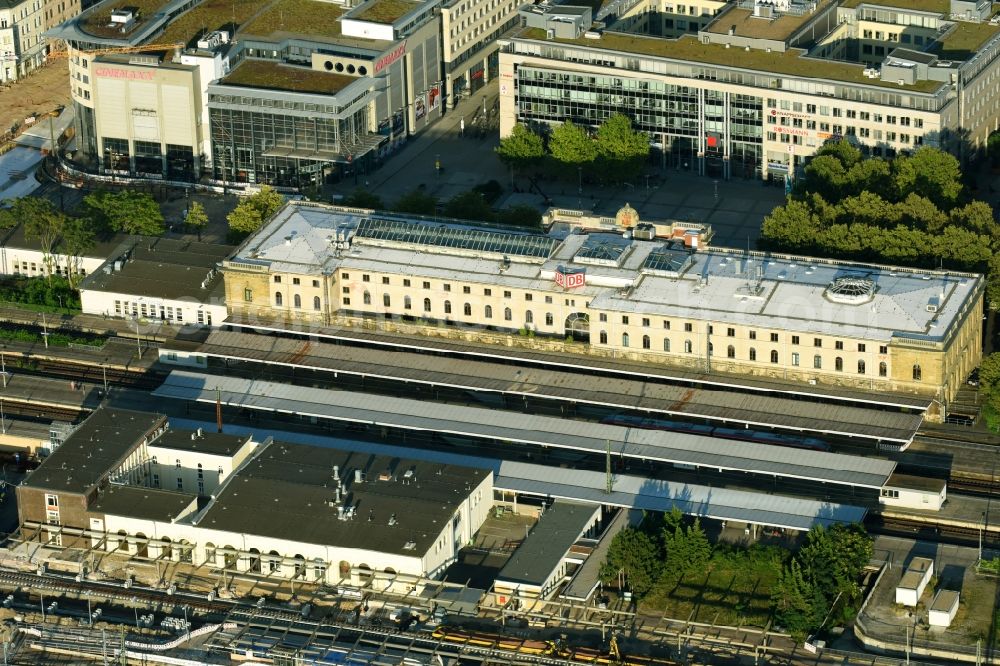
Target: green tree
{"x":244,"y":220}
{"x":871,"y":175}
{"x":989,"y":375}
{"x":977,"y":217}
{"x":521,"y":148}
{"x":520,"y":216}
{"x":126,"y":211}
{"x":791,"y":227}
{"x":833,"y":560}
{"x":78,"y":238}
{"x":571,"y":146}
{"x":362,"y":198}
{"x":798,"y":606}
{"x":826,"y":175}
{"x":993,"y":148}
{"x":868,"y":208}
{"x":930,"y":172}
{"x":251,"y":213}
{"x":42,"y":222}
{"x":843,"y":151}
{"x":469,"y":206}
{"x":196,"y":217}
{"x":920,"y":213}
{"x":993,"y":282}
{"x":634,"y":555}
{"x":621,"y":149}
{"x":416,"y":202}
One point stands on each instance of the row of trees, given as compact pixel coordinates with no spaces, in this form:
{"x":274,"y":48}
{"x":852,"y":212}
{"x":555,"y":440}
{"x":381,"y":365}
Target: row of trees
{"x":616,"y":151}
{"x":912,"y":210}
{"x":818,"y":583}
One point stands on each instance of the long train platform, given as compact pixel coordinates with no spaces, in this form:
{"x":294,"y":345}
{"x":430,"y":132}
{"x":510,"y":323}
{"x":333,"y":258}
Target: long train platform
{"x":711,"y":403}
{"x":683,"y":450}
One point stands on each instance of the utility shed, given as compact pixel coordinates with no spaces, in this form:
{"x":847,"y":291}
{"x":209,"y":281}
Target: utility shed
{"x":540,"y":563}
{"x":943,"y":608}
{"x":915,"y":578}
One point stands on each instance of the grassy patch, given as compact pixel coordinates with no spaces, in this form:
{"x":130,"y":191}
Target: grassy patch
{"x":306,"y":17}
{"x":55,"y":339}
{"x":276,"y":76}
{"x":735,"y":588}
{"x":936,"y":6}
{"x":386,"y":11}
{"x":964,"y":40}
{"x":991,"y":416}
{"x":208,"y":16}
{"x":687,"y":49}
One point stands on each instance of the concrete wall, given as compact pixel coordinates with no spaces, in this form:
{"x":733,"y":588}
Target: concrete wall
{"x":23,"y":261}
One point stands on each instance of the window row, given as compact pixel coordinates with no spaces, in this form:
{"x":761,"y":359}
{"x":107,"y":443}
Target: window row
{"x":279,"y":301}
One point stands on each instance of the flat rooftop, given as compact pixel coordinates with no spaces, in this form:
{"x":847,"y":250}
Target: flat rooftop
{"x":745,"y":24}
{"x":935,"y":6}
{"x":791,"y":293}
{"x":98,"y":22}
{"x":310,"y":18}
{"x":688,"y":49}
{"x":541,"y":552}
{"x":208,"y":16}
{"x":963,"y":40}
{"x":384,"y":11}
{"x":271,"y":75}
{"x":211,"y":443}
{"x":164,"y":268}
{"x":142,"y":503}
{"x":104,"y":245}
{"x":97,"y":445}
{"x":401,"y":506}
{"x":546,"y":431}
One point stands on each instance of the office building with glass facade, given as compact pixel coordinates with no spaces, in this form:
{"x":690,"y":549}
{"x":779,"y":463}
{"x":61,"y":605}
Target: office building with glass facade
{"x":753,"y":88}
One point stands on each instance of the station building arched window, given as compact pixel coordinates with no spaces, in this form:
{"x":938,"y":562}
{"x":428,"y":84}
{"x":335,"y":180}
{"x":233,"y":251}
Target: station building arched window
{"x":277,"y":298}
{"x":917,"y":373}
{"x":645,"y":342}
{"x":603,"y":337}
{"x":316,"y":303}
{"x":624,"y":339}
{"x":883,"y":369}
{"x":838,"y":364}
{"x":297,"y":301}
{"x":861,"y":367}
{"x":774,"y":356}
{"x":753,"y":354}
{"x":730,"y":352}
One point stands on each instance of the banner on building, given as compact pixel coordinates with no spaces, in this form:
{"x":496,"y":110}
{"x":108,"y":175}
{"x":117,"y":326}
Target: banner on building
{"x":434,"y":96}
{"x":420,"y":109}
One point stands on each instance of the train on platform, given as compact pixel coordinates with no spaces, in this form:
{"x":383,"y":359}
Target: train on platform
{"x":544,"y":648}
{"x":741,"y":434}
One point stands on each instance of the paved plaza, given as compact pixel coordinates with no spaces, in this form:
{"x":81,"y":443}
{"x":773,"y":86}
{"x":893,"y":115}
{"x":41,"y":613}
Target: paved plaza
{"x":734,"y":208}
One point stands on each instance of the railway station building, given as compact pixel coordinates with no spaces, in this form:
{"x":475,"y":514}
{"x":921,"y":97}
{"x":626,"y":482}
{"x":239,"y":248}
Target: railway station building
{"x":616,"y":295}
{"x":753,"y":88}
{"x":127,"y":482}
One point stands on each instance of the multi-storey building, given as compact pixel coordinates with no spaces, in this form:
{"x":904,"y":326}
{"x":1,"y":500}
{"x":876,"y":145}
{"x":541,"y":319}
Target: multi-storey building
{"x":470,"y":50}
{"x":756,"y":87}
{"x":22,"y":46}
{"x":303,"y":90}
{"x":785,"y":317}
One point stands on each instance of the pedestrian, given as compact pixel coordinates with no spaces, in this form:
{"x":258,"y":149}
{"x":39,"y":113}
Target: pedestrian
{"x":461,"y":127}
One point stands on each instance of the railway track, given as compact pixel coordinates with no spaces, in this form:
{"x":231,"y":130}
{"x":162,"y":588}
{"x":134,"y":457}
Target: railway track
{"x":914,"y":529}
{"x":16,"y":580}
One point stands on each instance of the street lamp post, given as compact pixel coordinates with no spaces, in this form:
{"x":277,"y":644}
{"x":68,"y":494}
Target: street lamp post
{"x":3,"y":367}
{"x":579,"y":187}
{"x":138,"y":341}
{"x":104,"y":374}
{"x":45,"y":331}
